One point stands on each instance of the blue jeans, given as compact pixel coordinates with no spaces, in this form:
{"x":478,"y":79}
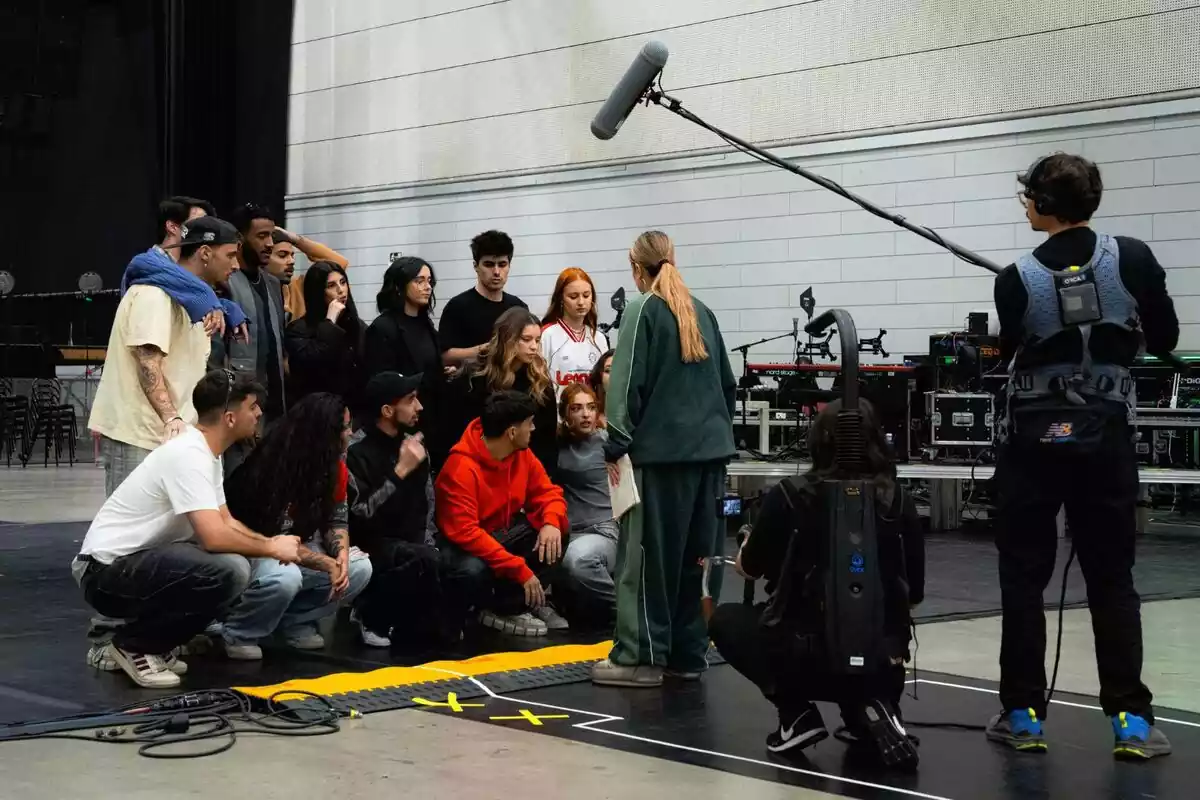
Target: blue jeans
{"x":590,"y":561}
{"x":289,"y":598}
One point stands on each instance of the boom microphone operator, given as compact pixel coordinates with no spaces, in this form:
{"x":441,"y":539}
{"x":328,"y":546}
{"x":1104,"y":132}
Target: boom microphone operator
{"x":632,"y":87}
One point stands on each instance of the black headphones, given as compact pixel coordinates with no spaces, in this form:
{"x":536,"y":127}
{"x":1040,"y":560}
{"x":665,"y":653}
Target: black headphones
{"x":1043,"y":201}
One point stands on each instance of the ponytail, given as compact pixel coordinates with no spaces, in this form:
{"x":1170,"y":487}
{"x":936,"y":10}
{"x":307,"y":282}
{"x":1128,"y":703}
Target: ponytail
{"x":669,"y":285}
{"x":654,"y":253}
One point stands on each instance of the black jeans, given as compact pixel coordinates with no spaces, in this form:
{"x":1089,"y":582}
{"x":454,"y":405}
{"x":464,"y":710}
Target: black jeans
{"x":790,"y":682}
{"x":1099,"y":492}
{"x":404,"y":592}
{"x":166,"y":595}
{"x":468,"y":582}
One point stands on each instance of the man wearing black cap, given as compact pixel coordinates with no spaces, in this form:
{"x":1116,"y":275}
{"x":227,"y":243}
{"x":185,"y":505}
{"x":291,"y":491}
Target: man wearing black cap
{"x":391,"y":515}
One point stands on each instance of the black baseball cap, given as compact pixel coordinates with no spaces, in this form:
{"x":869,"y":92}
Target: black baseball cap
{"x":207,"y":230}
{"x":388,"y":387}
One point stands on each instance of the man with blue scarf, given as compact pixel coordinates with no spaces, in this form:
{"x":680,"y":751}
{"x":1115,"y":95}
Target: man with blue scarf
{"x":159,"y":345}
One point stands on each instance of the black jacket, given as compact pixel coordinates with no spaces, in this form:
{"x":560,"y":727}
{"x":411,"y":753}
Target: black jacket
{"x":386,"y":349}
{"x":461,"y":400}
{"x":794,"y":509}
{"x":323,"y":358}
{"x":382,"y":506}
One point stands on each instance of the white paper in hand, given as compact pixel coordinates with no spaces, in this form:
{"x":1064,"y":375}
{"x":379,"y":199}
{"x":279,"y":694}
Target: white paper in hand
{"x":625,"y":494}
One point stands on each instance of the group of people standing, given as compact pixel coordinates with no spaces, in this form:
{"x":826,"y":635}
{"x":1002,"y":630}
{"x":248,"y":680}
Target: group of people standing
{"x":270,"y":457}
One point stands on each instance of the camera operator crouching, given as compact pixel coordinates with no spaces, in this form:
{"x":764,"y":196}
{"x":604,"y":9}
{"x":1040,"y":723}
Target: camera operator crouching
{"x":780,"y":645}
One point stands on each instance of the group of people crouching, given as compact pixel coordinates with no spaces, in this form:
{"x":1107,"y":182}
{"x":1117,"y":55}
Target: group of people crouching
{"x":321,"y":515}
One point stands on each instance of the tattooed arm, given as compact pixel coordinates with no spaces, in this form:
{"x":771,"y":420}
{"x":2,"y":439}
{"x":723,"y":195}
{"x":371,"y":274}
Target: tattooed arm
{"x":317,"y":561}
{"x":154,"y":386}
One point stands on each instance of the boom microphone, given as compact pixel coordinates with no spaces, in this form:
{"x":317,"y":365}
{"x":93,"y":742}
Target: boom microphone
{"x":632,"y":86}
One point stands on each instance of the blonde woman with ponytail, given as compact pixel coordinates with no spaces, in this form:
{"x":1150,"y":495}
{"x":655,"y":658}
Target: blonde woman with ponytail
{"x":670,"y":408}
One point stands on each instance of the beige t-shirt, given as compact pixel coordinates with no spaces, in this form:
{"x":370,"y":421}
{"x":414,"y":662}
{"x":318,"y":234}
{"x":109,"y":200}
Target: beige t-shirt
{"x":147,"y":315}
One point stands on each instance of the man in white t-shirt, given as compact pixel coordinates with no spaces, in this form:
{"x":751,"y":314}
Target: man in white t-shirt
{"x":163,"y":554}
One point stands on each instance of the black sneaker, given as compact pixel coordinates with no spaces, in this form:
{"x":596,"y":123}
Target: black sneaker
{"x":880,"y":727}
{"x":797,"y":731}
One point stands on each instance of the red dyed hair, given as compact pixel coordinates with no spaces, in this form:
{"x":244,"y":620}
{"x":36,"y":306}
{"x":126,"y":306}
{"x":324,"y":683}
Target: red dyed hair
{"x":555,"y":312}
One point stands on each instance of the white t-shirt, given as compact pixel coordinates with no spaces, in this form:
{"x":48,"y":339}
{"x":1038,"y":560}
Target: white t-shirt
{"x":148,"y":509}
{"x":571,"y":358}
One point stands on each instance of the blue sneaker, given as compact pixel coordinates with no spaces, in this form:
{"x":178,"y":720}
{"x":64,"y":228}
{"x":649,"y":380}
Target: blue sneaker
{"x":1137,"y":739}
{"x":1020,"y":729}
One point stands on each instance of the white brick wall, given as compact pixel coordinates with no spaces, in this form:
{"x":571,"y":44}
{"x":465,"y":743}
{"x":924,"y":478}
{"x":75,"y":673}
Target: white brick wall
{"x":750,"y":240}
{"x":389,"y":93}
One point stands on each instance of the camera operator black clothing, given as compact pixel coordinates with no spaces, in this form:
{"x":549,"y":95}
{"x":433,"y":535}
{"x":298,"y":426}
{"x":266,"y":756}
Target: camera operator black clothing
{"x":391,"y":520}
{"x":1096,"y":481}
{"x":760,"y":642}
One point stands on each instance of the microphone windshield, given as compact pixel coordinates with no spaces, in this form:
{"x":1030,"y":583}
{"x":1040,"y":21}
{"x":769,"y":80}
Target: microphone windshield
{"x":633,"y":84}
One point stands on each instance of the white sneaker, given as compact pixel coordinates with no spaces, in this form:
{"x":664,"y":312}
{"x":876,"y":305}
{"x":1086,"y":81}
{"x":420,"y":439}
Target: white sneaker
{"x":372,"y":639}
{"x":146,"y":670}
{"x":554,"y":621}
{"x":243,"y":652}
{"x":100,"y":657}
{"x":308,"y":640}
{"x":518,"y":625}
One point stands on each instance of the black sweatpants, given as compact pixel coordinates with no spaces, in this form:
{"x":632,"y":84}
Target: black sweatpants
{"x":405,"y":592}
{"x":789,"y":682}
{"x":165,"y":595}
{"x":1100,"y":495}
{"x":470,"y":583}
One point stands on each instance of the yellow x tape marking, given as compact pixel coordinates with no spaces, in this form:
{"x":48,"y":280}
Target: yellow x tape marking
{"x":532,"y":718}
{"x":451,"y":703}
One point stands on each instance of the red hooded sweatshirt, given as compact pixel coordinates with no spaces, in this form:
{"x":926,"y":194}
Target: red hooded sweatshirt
{"x":476,"y":494}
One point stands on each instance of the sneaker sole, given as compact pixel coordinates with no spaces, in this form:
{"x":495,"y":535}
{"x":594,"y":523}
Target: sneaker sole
{"x":1021,"y":745}
{"x":627,"y":684}
{"x":800,"y":742}
{"x":1128,"y":752}
{"x":497,"y":624}
{"x":683,"y":676}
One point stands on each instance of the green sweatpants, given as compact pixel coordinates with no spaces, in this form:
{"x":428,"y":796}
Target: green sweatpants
{"x":664,"y":541}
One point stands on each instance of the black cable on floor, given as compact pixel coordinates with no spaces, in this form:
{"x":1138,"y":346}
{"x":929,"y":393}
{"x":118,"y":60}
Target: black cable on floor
{"x":193,"y":717}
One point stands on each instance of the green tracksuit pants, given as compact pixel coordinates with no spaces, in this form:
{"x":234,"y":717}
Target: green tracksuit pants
{"x":659,"y":574}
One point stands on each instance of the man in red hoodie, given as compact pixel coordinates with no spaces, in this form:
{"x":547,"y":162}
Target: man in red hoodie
{"x":502,"y":518}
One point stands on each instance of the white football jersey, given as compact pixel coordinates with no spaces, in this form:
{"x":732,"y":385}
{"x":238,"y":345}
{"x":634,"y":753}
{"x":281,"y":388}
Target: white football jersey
{"x":571,"y":358}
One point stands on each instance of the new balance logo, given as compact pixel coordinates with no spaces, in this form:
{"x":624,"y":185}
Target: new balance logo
{"x":1058,"y":432}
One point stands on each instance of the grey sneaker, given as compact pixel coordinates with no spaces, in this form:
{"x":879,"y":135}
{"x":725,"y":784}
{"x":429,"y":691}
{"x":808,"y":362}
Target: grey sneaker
{"x":606,"y":673}
{"x":554,"y":621}
{"x":517,"y":625}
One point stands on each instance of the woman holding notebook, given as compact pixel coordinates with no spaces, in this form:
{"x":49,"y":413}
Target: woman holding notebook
{"x":669,"y":407}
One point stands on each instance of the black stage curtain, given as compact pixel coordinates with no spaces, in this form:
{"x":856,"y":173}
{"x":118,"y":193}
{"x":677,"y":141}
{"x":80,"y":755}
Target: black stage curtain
{"x":106,"y":106}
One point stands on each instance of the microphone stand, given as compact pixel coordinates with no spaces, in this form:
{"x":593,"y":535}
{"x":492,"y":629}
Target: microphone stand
{"x":675,"y":106}
{"x":745,"y":382}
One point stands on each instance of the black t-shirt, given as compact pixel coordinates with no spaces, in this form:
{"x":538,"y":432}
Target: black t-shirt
{"x":422,"y":343}
{"x":1142,"y":276}
{"x":469,"y":317}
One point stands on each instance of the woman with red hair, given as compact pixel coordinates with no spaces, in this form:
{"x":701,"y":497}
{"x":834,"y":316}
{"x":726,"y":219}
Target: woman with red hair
{"x":571,"y":340}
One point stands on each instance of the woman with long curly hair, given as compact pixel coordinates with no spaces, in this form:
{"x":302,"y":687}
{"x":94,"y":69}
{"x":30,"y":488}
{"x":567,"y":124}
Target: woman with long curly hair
{"x":512,"y":360}
{"x":571,"y":340}
{"x":670,"y":408}
{"x":324,"y":347}
{"x":598,"y":380}
{"x":295,"y":482}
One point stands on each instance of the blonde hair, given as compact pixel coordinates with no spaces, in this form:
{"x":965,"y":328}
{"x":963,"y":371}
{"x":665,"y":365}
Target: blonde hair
{"x":500,"y":363}
{"x":654,"y":254}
